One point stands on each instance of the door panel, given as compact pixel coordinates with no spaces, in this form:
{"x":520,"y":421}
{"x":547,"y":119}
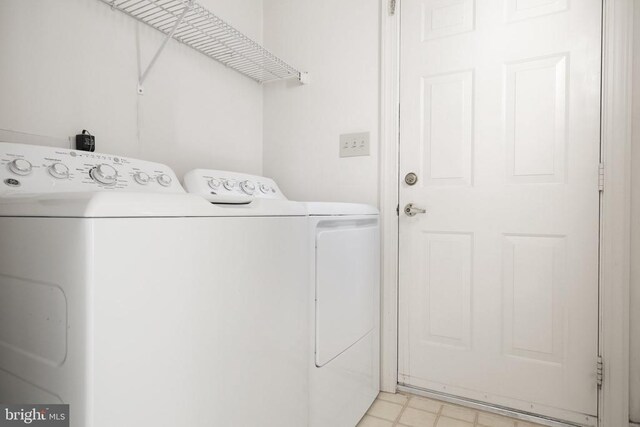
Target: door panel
{"x":499,"y":118}
{"x":447,"y":128}
{"x":446,"y":295}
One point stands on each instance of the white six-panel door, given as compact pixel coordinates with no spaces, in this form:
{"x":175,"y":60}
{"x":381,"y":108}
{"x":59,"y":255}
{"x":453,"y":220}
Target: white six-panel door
{"x":499,"y":119}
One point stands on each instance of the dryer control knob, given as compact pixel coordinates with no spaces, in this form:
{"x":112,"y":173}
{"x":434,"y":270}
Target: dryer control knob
{"x":229,"y":184}
{"x":104,"y":174}
{"x":142,"y":178}
{"x":214,"y":183}
{"x":248,"y":187}
{"x":265,"y":188}
{"x":59,"y":171}
{"x":20,"y":167}
{"x":164,"y":180}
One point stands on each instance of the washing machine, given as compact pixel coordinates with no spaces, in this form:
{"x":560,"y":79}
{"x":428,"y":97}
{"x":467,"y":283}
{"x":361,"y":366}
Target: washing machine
{"x":344,"y":288}
{"x":141,"y":305}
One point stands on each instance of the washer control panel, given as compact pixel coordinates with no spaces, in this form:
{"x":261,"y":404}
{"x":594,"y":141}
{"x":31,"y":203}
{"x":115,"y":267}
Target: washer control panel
{"x":230,"y":187}
{"x":33,"y":169}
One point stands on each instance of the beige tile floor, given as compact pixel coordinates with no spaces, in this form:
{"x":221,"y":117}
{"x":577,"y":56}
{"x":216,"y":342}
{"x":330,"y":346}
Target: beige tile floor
{"x":408,"y":410}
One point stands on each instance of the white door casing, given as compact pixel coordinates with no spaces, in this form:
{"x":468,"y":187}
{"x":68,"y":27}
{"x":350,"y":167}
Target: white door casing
{"x":500,"y":120}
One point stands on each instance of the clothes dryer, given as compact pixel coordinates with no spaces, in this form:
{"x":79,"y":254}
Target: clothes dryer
{"x":343,"y":294}
{"x":344,"y":242}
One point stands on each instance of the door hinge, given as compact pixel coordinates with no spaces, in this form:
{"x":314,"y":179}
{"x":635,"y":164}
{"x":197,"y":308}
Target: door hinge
{"x":392,"y":7}
{"x":397,"y":210}
{"x":599,"y":371}
{"x":601,"y":177}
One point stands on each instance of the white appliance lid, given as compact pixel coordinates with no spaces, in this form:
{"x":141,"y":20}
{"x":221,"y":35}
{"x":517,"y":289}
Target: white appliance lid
{"x":127,"y":205}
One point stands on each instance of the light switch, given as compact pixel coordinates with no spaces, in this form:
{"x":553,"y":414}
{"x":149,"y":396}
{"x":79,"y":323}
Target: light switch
{"x":354,"y":144}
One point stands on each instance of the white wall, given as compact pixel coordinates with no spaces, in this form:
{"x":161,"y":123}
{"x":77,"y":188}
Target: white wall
{"x":635,"y":230}
{"x":73,"y":64}
{"x":338,"y":42}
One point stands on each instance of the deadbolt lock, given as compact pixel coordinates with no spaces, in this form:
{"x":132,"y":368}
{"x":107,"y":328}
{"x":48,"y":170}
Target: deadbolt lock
{"x":411,"y":178}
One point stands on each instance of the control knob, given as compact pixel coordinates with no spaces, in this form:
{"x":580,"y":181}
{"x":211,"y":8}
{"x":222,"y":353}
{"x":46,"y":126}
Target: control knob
{"x":248,"y":187}
{"x":104,"y":174}
{"x":265,"y":188}
{"x":142,"y":178}
{"x":164,"y":180}
{"x":214,"y":183}
{"x":229,"y":184}
{"x":20,"y":167}
{"x":58,"y":171}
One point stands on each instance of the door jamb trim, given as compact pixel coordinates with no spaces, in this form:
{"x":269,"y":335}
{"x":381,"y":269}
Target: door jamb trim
{"x":613,"y":398}
{"x":615,"y":221}
{"x":388,"y":197}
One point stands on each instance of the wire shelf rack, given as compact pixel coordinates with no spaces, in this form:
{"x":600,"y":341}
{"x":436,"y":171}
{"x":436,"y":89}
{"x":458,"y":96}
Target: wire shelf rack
{"x":198,"y":28}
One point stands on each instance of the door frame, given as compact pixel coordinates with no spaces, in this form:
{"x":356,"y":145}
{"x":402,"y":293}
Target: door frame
{"x":617,"y":28}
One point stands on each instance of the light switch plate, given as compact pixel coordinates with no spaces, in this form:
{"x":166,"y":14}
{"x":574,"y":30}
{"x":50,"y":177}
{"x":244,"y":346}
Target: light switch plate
{"x":354,"y":144}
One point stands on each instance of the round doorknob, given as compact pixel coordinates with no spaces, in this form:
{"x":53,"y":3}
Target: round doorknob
{"x":411,"y":178}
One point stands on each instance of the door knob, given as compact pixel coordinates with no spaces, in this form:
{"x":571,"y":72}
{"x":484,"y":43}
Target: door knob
{"x":411,"y":178}
{"x":411,"y":210}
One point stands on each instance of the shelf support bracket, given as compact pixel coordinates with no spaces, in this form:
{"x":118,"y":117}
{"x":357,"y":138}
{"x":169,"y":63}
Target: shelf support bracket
{"x":167,"y":37}
{"x":304,"y":78}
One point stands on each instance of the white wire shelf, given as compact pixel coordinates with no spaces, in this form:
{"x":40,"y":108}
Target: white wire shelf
{"x":198,"y":28}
